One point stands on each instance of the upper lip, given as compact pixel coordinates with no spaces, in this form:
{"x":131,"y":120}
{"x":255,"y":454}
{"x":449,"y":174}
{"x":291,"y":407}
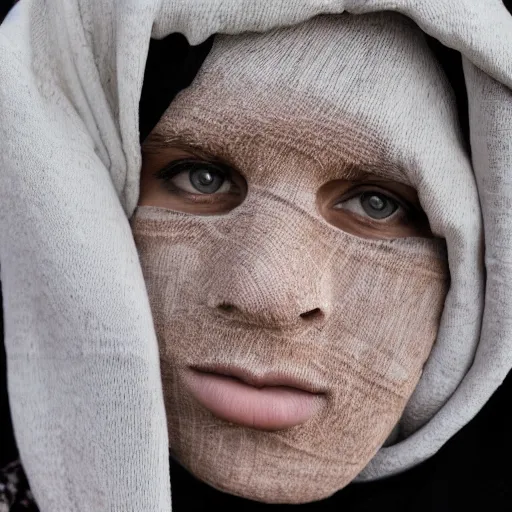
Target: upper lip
{"x":268,"y":379}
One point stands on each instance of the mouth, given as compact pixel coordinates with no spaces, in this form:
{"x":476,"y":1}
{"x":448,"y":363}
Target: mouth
{"x":269,"y":402}
{"x":269,"y":379}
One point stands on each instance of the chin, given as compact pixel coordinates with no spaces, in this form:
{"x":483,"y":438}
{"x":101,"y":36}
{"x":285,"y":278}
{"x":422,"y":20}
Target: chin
{"x":271,"y":492}
{"x":257,"y":486}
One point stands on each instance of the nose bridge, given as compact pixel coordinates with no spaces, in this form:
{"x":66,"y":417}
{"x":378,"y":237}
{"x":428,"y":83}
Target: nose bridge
{"x":273,"y":269}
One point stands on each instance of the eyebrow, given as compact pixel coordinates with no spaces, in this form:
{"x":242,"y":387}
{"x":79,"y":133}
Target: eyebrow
{"x":158,"y":142}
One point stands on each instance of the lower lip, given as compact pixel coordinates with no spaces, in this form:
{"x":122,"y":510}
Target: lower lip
{"x":267,"y":408}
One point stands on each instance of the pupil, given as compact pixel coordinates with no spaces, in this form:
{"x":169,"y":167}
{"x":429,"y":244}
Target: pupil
{"x":207,"y":181}
{"x":205,"y":178}
{"x":376,"y":203}
{"x":378,"y":206}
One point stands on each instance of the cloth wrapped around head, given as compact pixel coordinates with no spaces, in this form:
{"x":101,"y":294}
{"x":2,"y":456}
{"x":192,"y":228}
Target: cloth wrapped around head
{"x":306,"y":252}
{"x":330,"y":130}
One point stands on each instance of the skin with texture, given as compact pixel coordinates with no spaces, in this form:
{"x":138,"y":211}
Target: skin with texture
{"x":278,"y":235}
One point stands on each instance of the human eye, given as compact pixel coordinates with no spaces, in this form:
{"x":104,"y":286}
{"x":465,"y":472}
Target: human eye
{"x":373,"y":204}
{"x":379,"y":209}
{"x":183,"y":182}
{"x":196,"y":177}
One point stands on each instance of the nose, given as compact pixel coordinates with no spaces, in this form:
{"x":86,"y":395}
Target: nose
{"x":271,"y":277}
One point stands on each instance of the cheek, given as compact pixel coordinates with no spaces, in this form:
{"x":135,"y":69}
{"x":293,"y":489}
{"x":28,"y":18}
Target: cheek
{"x":387,"y":309}
{"x":385,"y":321}
{"x":170,"y":267}
{"x":175,"y":255}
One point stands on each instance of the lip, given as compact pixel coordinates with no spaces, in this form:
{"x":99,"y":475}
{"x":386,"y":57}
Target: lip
{"x":268,"y":379}
{"x":276,"y":402}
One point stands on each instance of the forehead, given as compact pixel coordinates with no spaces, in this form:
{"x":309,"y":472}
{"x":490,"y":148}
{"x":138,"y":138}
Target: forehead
{"x":263,"y":135}
{"x":356,"y":106}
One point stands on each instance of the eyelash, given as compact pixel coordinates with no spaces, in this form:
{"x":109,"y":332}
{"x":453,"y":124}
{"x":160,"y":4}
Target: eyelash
{"x":359,"y":190}
{"x":187,"y":165}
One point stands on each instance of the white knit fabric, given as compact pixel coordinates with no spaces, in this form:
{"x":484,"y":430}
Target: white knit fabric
{"x":83,"y":371}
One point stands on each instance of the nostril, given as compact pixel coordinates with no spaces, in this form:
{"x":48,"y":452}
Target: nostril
{"x":226,"y":307}
{"x":314,"y":314}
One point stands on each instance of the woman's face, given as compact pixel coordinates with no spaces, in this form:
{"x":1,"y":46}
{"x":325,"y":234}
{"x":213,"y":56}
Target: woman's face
{"x":285,"y":246}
